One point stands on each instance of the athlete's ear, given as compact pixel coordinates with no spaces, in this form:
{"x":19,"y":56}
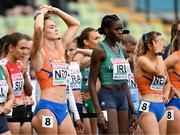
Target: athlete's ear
{"x":10,"y":47}
{"x":85,"y":42}
{"x":150,"y":46}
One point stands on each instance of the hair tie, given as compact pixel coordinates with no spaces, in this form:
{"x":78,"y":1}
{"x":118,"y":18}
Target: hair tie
{"x":144,"y":37}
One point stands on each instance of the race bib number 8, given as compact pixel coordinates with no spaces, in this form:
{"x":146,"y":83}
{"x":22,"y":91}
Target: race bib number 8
{"x":47,"y":121}
{"x":144,"y":107}
{"x":170,"y":114}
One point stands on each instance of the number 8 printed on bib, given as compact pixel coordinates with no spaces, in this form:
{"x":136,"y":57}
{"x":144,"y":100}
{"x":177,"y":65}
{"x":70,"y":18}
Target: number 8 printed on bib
{"x":47,"y":121}
{"x":170,"y":114}
{"x":144,"y":107}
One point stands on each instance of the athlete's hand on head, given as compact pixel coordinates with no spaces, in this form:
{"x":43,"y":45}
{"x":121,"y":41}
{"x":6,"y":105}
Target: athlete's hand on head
{"x":80,"y":127}
{"x":45,"y":9}
{"x":49,"y":8}
{"x":159,"y":44}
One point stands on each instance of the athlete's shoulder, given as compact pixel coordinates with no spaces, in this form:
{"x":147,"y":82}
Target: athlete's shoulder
{"x":3,"y":61}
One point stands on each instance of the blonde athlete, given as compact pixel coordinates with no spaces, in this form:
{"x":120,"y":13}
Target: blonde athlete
{"x":51,"y":114}
{"x":153,"y":83}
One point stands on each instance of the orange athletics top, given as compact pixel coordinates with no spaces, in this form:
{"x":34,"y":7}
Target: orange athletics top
{"x":148,"y":84}
{"x":54,"y":70}
{"x":174,"y":75}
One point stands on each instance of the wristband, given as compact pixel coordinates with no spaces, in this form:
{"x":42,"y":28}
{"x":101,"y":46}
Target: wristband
{"x":159,"y":53}
{"x":99,"y":115}
{"x":37,"y":13}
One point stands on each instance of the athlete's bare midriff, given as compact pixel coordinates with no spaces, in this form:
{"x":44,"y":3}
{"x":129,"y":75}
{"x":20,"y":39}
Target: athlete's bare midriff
{"x":77,"y":96}
{"x":152,"y":97}
{"x":57,"y":94}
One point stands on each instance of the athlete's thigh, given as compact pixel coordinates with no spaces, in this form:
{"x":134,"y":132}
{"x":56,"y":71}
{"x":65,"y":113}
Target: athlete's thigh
{"x":86,"y":123}
{"x":67,"y":122}
{"x":44,"y":122}
{"x":148,"y":123}
{"x":6,"y":133}
{"x":173,"y":124}
{"x":14,"y":127}
{"x":26,"y":128}
{"x":123,"y":122}
{"x":112,"y":116}
{"x":163,"y":124}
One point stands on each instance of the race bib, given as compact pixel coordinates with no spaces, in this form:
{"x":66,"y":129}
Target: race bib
{"x":59,"y":73}
{"x":18,"y":83}
{"x":47,"y":122}
{"x":144,"y":107}
{"x":3,"y":90}
{"x":75,"y":76}
{"x":170,"y":114}
{"x":131,"y":82}
{"x":75,"y":81}
{"x":157,"y":83}
{"x":119,"y":69}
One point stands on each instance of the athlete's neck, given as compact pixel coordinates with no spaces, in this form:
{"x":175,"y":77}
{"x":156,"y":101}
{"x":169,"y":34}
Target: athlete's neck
{"x":110,"y":42}
{"x":49,"y":44}
{"x":11,"y":59}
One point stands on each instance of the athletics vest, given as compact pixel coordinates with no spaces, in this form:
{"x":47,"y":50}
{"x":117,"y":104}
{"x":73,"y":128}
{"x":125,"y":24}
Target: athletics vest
{"x":148,"y":84}
{"x":54,"y":71}
{"x":113,"y":70}
{"x":16,"y":76}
